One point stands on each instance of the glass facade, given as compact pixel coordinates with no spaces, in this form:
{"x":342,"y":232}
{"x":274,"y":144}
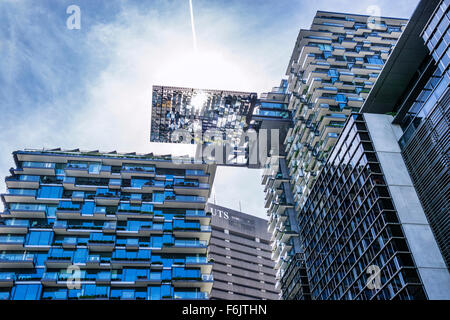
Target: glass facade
{"x":118,"y":226}
{"x":349,"y":223}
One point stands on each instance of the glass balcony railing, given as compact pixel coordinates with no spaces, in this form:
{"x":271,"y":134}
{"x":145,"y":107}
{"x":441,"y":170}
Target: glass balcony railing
{"x":18,"y":257}
{"x":196,"y":213}
{"x":183,"y":198}
{"x":70,"y":241}
{"x":27,"y":207}
{"x":22,"y":192}
{"x":93,"y":259}
{"x":195,"y":173}
{"x":15,"y":223}
{"x":69,"y":180}
{"x":115,"y":182}
{"x":207,"y":277}
{"x":144,"y":169}
{"x":43,"y":165}
{"x":7,"y":276}
{"x":196,"y":260}
{"x":205,"y":228}
{"x":190,"y":243}
{"x":25,"y":178}
{"x":190,"y":295}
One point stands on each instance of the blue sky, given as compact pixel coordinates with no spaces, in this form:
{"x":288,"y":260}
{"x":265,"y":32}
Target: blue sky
{"x":91,"y":88}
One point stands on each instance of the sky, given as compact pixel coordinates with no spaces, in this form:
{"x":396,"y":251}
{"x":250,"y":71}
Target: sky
{"x":90,"y":88}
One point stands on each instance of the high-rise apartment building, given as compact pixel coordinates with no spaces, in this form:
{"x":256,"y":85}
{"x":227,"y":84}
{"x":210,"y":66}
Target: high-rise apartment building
{"x":240,"y":249}
{"x":332,"y":69}
{"x":90,"y":225}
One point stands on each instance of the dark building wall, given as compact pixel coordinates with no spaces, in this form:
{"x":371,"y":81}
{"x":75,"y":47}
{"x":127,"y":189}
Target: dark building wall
{"x":426,"y":140}
{"x":350,"y":224}
{"x":241,"y":251}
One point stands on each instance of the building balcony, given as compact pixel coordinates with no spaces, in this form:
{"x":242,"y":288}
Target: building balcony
{"x":69,"y":243}
{"x":192,"y":174}
{"x":29,"y":197}
{"x":134,"y":214}
{"x":203,"y":233}
{"x":285,"y":248}
{"x":95,"y":262}
{"x":13,"y":228}
{"x":25,"y":261}
{"x":12,"y":243}
{"x":68,"y":213}
{"x":204,"y":282}
{"x":199,"y":215}
{"x":271,"y":224}
{"x":58,"y":262}
{"x":107,"y":199}
{"x":129,"y":171}
{"x":37,"y":170}
{"x":185,"y":246}
{"x":7,"y":280}
{"x":22,"y":182}
{"x":330,"y":140}
{"x":143,"y":231}
{"x":188,"y":296}
{"x":180,"y":201}
{"x":130,"y":262}
{"x":101,"y":246}
{"x":204,"y":266}
{"x":26,"y":212}
{"x":355,"y":102}
{"x":144,"y":281}
{"x":275,"y":253}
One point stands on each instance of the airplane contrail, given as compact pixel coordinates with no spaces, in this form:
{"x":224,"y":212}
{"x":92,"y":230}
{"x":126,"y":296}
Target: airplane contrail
{"x":194,"y":36}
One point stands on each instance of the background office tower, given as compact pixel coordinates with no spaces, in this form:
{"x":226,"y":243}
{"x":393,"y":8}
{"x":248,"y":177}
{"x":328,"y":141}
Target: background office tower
{"x":333,"y":67}
{"x":134,"y":225}
{"x":364,"y":209}
{"x":240,"y":248}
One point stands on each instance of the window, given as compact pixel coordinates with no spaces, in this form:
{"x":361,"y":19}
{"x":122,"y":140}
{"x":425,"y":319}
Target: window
{"x":30,"y":164}
{"x":50,"y":192}
{"x":154,"y":293}
{"x":158,"y":197}
{"x":55,"y":294}
{"x":90,"y":290}
{"x":25,"y":192}
{"x":88,"y":207}
{"x":39,"y":238}
{"x":26,"y":292}
{"x":94,"y":168}
{"x":139,"y":183}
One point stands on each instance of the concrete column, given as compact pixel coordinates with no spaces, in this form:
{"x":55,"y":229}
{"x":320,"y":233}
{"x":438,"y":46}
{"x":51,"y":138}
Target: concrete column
{"x":426,"y":254}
